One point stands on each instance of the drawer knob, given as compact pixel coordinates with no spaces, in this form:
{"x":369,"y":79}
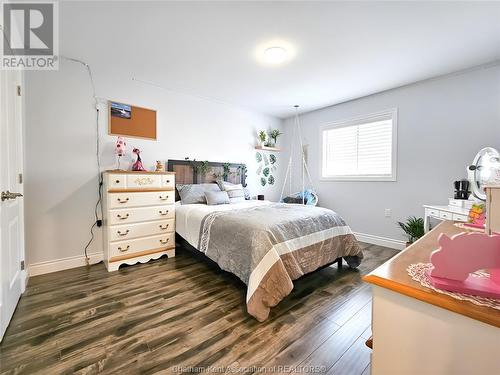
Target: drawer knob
{"x":117,"y":181}
{"x":163,"y":198}
{"x":164,"y":242}
{"x":123,"y":250}
{"x":123,"y":200}
{"x":122,"y":217}
{"x":163,"y":227}
{"x":123,"y":233}
{"x":163,"y":213}
{"x":168,"y":181}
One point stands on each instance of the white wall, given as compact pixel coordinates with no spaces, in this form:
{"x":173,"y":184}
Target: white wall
{"x":60,"y":174}
{"x":442,"y":124}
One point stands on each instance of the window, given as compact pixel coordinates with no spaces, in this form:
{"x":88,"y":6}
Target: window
{"x":361,"y":149}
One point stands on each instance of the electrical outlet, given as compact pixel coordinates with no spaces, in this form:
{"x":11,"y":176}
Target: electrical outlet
{"x":387,"y":212}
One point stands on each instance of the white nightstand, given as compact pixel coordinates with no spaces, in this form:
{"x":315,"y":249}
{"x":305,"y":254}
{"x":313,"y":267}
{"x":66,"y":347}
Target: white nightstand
{"x":444,"y":213}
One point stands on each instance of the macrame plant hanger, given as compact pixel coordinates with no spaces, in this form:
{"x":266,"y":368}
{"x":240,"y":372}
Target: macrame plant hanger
{"x":305,"y":170}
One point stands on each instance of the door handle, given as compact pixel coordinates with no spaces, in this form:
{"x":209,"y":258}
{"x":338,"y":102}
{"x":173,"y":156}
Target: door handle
{"x":6,"y":195}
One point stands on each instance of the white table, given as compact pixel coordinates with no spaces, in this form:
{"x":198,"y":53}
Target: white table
{"x":444,"y":213}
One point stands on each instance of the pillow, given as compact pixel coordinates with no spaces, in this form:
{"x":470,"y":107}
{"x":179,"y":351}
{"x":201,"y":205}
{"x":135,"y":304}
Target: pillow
{"x":235,"y":192}
{"x":228,"y":186}
{"x":195,"y":193}
{"x":220,"y":182}
{"x":216,"y":197}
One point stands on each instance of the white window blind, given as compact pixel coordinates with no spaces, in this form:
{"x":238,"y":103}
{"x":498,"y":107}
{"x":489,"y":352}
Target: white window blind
{"x":360,"y":149}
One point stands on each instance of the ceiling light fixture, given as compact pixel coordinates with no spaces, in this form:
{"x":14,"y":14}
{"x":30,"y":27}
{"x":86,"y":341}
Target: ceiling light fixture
{"x":275,"y":55}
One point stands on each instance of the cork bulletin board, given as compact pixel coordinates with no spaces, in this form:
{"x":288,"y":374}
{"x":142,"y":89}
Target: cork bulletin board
{"x":131,"y":121}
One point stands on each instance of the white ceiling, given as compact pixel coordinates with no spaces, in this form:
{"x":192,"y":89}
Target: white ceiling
{"x":343,"y":50}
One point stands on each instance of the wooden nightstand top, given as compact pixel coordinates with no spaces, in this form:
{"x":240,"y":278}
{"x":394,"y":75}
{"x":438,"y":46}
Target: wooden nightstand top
{"x":393,"y":275}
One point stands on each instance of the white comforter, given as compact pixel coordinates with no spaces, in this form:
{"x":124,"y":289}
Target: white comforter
{"x":188,"y":217}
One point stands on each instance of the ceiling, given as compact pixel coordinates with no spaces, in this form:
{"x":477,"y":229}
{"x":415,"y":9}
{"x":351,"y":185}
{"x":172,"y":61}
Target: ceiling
{"x":342,"y":50}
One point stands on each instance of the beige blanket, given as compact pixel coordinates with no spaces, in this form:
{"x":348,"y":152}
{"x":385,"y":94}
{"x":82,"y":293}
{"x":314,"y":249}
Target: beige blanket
{"x":269,"y":246}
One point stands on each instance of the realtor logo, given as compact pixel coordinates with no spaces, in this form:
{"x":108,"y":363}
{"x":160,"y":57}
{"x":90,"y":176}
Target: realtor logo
{"x":30,"y":35}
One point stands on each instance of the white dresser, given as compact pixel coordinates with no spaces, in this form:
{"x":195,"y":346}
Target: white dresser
{"x":139,"y":217}
{"x":444,"y":213}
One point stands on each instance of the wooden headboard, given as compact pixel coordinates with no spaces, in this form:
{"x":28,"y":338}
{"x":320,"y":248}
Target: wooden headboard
{"x":198,"y":172}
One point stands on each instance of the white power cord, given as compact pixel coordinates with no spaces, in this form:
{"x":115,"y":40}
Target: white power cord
{"x":97,"y":221}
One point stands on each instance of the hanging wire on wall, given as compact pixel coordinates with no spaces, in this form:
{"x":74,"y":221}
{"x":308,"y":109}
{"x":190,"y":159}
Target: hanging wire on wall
{"x":98,"y":206}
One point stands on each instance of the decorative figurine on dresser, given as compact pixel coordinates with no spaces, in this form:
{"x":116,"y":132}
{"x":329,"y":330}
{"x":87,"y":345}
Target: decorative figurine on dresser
{"x":139,"y":217}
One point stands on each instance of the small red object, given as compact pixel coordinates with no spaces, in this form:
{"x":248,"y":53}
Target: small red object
{"x":137,"y":166}
{"x":463,"y":254}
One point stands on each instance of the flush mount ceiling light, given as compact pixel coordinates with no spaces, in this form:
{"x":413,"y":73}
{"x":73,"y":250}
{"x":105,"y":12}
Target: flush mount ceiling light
{"x":275,"y":52}
{"x":275,"y":55}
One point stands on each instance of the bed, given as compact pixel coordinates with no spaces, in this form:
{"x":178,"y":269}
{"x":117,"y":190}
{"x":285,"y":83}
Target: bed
{"x":266,"y":245}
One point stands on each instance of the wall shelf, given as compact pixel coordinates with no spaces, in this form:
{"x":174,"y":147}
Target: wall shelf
{"x":265,"y":148}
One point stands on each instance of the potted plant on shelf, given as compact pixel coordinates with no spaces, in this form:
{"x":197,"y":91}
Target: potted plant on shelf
{"x":262,"y":138}
{"x":274,"y":136}
{"x":413,"y":227}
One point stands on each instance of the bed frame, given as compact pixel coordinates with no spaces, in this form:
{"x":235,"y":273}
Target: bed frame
{"x":180,"y":242}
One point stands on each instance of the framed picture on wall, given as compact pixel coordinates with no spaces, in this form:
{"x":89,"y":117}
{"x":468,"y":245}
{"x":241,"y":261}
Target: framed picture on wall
{"x":121,"y":110}
{"x":131,"y":121}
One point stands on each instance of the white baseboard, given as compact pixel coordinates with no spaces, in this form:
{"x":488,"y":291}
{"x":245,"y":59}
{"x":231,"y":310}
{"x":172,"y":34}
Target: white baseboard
{"x":380,"y":241}
{"x":62,"y":264}
{"x":78,"y":261}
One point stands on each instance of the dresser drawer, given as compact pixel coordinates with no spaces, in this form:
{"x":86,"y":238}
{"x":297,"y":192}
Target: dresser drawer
{"x":128,"y":231}
{"x":432,"y":212}
{"x":159,"y":242}
{"x":136,"y":214}
{"x":119,"y":200}
{"x":168,"y":181}
{"x":116,"y":181}
{"x":143,"y":181}
{"x":445,"y":215}
{"x":458,"y":217}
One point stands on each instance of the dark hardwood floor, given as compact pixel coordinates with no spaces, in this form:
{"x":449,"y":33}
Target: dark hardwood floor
{"x":179,"y":315}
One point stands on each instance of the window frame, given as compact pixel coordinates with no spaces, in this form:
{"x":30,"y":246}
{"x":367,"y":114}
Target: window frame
{"x":359,"y":120}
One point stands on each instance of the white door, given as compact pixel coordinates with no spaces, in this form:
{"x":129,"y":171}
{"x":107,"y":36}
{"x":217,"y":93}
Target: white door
{"x":12,"y":275}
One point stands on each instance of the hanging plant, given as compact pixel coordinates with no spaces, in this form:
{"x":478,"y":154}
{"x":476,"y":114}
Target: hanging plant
{"x":226,"y":170}
{"x":242,"y":169}
{"x":203,"y":167}
{"x":270,"y":180}
{"x":193,"y":163}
